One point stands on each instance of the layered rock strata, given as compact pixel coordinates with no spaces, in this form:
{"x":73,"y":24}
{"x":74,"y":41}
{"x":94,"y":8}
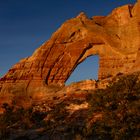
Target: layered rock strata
{"x":115,"y":38}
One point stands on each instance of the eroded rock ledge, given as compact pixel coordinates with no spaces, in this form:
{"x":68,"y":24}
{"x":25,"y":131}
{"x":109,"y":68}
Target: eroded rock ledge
{"x":115,"y":38}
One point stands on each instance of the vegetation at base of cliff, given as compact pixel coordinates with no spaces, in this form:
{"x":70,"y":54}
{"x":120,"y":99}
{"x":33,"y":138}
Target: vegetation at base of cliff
{"x":113,"y":114}
{"x":119,"y":108}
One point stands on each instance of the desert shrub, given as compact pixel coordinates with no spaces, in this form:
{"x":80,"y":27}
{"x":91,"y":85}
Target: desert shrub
{"x":4,"y":132}
{"x":12,"y":115}
{"x":118,"y":104}
{"x":38,"y":116}
{"x":14,"y":118}
{"x":120,"y":107}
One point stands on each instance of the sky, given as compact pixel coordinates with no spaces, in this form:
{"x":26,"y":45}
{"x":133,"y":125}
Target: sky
{"x":26,"y":24}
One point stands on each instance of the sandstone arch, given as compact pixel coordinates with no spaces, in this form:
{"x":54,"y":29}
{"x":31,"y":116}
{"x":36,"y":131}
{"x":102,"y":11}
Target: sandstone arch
{"x":115,"y":38}
{"x":87,"y":69}
{"x":73,"y":42}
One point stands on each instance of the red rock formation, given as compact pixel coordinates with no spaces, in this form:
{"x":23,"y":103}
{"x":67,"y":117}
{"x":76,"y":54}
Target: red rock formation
{"x":115,"y":38}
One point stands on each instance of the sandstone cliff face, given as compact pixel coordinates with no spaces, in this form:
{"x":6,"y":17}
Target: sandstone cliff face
{"x":115,"y":38}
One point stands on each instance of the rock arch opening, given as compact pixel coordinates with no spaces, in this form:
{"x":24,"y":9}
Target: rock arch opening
{"x":87,"y":69}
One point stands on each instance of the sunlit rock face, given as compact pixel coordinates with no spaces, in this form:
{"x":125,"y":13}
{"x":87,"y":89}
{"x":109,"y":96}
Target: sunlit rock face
{"x":115,"y":38}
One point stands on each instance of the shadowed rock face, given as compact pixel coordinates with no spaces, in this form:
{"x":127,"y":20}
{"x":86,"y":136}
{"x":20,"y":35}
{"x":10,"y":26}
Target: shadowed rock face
{"x":115,"y":38}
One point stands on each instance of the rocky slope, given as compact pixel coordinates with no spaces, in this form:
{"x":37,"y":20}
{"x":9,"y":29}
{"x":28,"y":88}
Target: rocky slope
{"x":115,"y":38}
{"x":76,"y":114}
